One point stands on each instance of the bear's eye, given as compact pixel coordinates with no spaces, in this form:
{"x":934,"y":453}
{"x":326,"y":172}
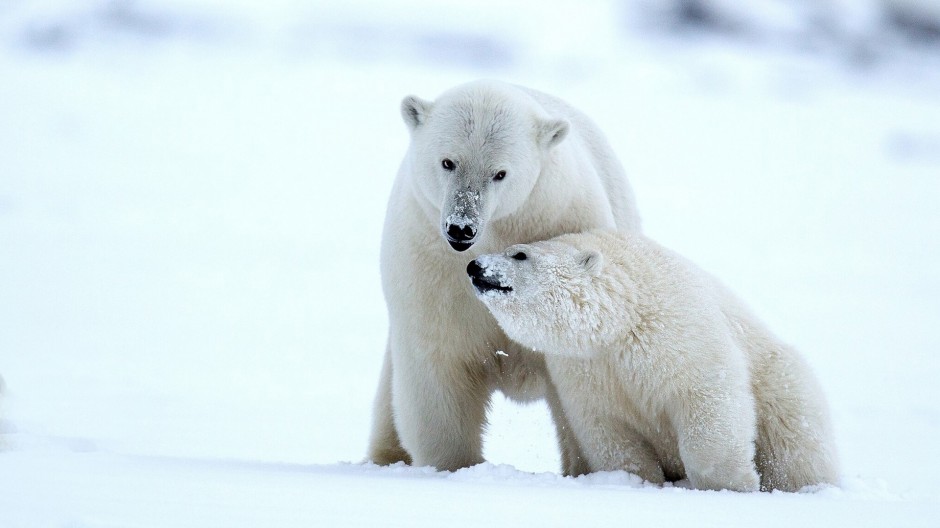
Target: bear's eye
{"x":520,"y":256}
{"x":448,"y":164}
{"x":499,"y":175}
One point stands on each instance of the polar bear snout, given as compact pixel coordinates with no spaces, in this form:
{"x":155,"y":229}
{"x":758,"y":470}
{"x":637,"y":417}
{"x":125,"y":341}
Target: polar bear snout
{"x":460,"y":237}
{"x":474,"y":269}
{"x":485,"y":280}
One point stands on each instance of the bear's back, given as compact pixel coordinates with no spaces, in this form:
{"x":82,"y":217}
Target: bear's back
{"x":589,"y":136}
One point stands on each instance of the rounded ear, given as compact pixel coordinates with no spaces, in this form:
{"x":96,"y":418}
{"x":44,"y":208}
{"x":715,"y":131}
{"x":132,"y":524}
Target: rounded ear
{"x":414,"y":111}
{"x":552,"y":131}
{"x":591,"y":261}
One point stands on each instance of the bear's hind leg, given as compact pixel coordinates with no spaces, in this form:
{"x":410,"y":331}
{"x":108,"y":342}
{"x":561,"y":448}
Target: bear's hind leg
{"x":795,"y":447}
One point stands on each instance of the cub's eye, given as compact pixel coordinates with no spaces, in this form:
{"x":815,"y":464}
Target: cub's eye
{"x":499,"y":175}
{"x":519,"y":256}
{"x":448,"y":164}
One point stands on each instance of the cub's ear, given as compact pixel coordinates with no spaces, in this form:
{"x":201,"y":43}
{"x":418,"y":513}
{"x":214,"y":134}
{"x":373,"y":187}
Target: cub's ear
{"x":414,"y":111}
{"x":552,"y":131}
{"x":591,"y":261}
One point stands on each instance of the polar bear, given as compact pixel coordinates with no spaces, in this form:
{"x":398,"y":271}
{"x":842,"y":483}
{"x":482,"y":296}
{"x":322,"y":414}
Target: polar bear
{"x":660,"y":370}
{"x":489,"y":165}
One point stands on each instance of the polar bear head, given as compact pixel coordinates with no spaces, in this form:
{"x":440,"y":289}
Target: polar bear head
{"x":550,"y":296}
{"x":477,"y":152}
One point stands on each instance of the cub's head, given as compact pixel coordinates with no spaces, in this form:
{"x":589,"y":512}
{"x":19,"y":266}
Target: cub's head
{"x":548,"y":296}
{"x":477,"y":152}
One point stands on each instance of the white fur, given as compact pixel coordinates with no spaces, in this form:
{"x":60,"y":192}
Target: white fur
{"x":445,"y":353}
{"x":661,"y":370}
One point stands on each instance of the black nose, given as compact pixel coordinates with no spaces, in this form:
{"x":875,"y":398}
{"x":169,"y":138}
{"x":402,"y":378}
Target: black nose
{"x":460,"y":234}
{"x":474,"y":269}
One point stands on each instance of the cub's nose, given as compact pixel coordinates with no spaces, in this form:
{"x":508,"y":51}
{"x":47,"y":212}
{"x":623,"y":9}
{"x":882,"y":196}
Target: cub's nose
{"x":474,"y":269}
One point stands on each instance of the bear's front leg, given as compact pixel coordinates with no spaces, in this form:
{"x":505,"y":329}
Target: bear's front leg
{"x":603,"y":437}
{"x":716,"y":433}
{"x":573,"y":460}
{"x":439,"y":404}
{"x":614,"y":446}
{"x":384,"y":445}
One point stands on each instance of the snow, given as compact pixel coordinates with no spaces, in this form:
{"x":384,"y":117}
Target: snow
{"x":191,"y":202}
{"x":118,"y":491}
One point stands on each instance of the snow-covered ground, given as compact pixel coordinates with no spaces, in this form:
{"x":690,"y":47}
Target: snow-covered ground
{"x":191,"y":200}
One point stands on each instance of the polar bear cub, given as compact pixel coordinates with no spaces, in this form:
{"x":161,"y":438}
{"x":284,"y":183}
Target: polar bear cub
{"x":660,"y":369}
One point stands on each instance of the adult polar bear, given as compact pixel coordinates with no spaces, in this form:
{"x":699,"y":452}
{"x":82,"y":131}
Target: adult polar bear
{"x":489,"y":165}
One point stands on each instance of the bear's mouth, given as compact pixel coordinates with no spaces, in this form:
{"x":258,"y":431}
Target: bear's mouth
{"x":460,"y":246}
{"x":485,"y":281}
{"x":489,"y":284}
